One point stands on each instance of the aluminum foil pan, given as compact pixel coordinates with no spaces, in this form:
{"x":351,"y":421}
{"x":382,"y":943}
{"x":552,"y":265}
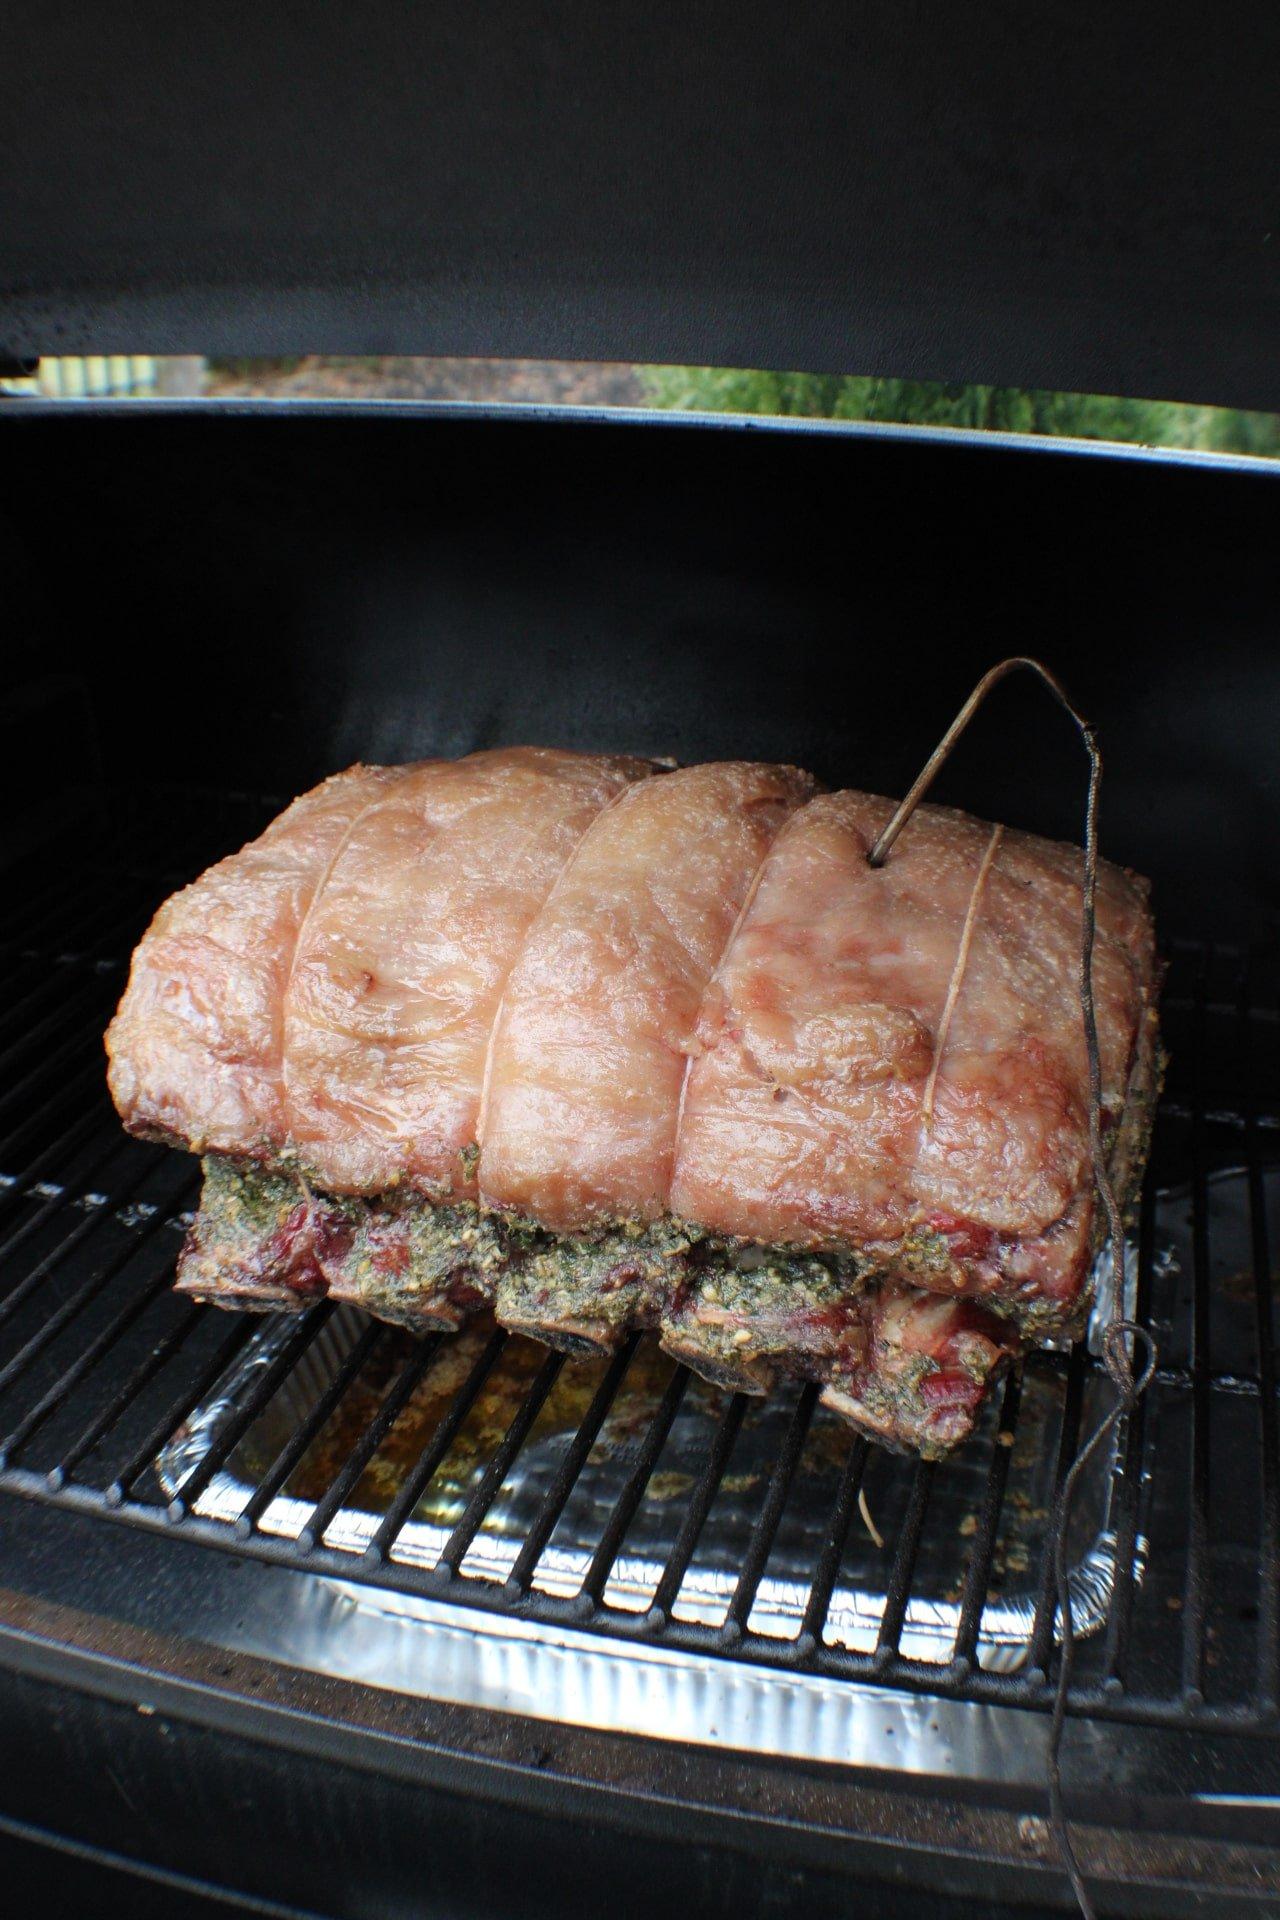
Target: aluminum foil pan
{"x":858,"y":1600}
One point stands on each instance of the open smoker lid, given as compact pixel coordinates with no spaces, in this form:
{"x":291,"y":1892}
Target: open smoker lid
{"x":1081,"y":196}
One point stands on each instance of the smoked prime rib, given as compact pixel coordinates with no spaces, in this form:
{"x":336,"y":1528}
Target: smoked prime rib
{"x":605,"y":1046}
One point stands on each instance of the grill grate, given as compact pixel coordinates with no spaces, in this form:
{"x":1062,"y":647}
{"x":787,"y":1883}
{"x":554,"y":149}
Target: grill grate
{"x":101,"y":1364}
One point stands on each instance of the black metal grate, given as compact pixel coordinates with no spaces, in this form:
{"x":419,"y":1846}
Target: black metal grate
{"x":100,"y":1364}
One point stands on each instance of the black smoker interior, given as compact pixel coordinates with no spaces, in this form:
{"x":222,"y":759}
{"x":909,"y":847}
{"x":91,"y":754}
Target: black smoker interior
{"x":206,"y":609}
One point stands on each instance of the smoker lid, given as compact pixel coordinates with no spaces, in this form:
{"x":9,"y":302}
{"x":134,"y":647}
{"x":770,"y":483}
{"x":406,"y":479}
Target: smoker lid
{"x":1081,"y":196}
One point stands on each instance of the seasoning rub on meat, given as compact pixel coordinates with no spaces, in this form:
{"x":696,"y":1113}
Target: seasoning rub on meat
{"x":609,"y":1047}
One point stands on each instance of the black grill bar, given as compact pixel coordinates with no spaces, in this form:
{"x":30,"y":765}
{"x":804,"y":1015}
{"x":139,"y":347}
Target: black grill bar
{"x":160,"y":1356}
{"x":84,"y":1363}
{"x":101,"y":939}
{"x":624,"y":1507}
{"x":17,"y":974}
{"x":69,"y":1100}
{"x":60,"y":1150}
{"x":1216,"y":1379}
{"x":1269,"y":1557}
{"x":1220,"y":1116}
{"x":700,"y":1501}
{"x":376,"y":1431}
{"x":62,"y":961}
{"x":16,"y":1095}
{"x":499,"y":1467}
{"x":112,"y":906}
{"x":86,"y":1227}
{"x":818,"y":1605}
{"x":977,"y":1575}
{"x":763,"y":1533}
{"x":106,"y":942}
{"x":307,"y":1430}
{"x":34,"y":984}
{"x":111,"y":934}
{"x":571,"y":1466}
{"x":441,"y":1440}
{"x":33,"y":1032}
{"x":21,"y":1007}
{"x":75,"y":1303}
{"x":911,"y":1675}
{"x":1194,"y":1597}
{"x":1127,"y":1483}
{"x":301,"y":1334}
{"x":1040,"y":1640}
{"x":193,"y":1392}
{"x":898,"y":1592}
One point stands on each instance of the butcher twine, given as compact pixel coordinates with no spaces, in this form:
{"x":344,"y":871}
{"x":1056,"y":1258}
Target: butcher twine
{"x":1124,"y":1339}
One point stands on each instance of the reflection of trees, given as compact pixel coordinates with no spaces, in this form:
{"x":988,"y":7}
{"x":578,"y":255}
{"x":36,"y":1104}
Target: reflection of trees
{"x":1158,"y":423}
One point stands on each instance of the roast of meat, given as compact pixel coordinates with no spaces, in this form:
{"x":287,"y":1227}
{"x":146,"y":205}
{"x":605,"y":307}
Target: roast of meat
{"x":605,"y":1046}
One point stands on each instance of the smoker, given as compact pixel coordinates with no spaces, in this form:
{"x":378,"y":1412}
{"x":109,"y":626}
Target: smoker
{"x":302,"y":1614}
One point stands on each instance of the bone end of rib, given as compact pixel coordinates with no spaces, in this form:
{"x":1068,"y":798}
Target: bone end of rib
{"x":741,"y":1374}
{"x":581,"y":1338}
